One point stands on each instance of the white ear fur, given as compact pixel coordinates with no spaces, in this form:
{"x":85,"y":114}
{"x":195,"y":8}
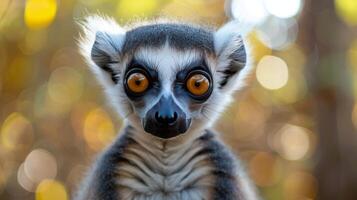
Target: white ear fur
{"x":106,"y":37}
{"x":233,"y":65}
{"x":228,"y":32}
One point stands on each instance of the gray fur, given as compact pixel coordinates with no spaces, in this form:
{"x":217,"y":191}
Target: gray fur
{"x":142,"y":165}
{"x":219,"y":178}
{"x":179,"y":36}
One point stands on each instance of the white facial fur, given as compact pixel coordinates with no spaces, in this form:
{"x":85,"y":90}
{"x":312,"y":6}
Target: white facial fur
{"x":168,"y":61}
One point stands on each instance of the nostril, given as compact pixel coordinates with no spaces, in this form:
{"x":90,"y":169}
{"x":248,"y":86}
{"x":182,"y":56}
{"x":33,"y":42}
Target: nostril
{"x":157,"y":117}
{"x":172,"y":118}
{"x":166,"y":119}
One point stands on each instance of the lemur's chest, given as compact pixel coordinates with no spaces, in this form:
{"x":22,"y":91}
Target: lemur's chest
{"x":181,"y":173}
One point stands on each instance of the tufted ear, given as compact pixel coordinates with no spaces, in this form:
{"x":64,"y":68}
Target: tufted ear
{"x":232,"y":67}
{"x":101,"y":45}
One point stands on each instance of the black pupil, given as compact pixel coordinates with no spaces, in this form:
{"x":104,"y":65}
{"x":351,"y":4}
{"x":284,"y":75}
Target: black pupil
{"x":197,"y":84}
{"x":137,"y":82}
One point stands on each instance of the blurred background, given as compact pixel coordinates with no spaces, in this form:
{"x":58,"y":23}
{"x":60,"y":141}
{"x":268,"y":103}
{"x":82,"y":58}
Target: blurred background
{"x":295,"y":128}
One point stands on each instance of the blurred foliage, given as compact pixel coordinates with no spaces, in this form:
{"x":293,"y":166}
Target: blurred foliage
{"x":54,"y":119}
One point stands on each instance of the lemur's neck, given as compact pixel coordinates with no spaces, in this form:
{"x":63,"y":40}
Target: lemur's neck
{"x":164,"y":169}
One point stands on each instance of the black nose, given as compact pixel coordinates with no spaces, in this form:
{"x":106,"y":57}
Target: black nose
{"x":166,"y":118}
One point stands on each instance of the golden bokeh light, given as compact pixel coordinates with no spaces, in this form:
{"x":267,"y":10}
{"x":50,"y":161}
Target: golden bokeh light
{"x":265,"y":169}
{"x":294,"y":142}
{"x":272,"y":72}
{"x":260,"y":50}
{"x":51,"y":190}
{"x":192,"y":11}
{"x":347,"y":11}
{"x":40,"y":13}
{"x":78,"y":115}
{"x":295,"y":57}
{"x":39,"y":165}
{"x":130,"y":8}
{"x":252,"y":116}
{"x":18,"y":75}
{"x":294,"y":90}
{"x":94,"y":2}
{"x":16,"y":132}
{"x":296,"y":86}
{"x":289,"y":93}
{"x":64,"y":57}
{"x":300,"y":185}
{"x":46,"y":103}
{"x":98,"y":129}
{"x":65,"y":86}
{"x":34,"y":41}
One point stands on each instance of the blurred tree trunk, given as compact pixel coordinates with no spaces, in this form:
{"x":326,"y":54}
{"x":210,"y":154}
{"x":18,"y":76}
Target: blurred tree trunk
{"x":325,"y":40}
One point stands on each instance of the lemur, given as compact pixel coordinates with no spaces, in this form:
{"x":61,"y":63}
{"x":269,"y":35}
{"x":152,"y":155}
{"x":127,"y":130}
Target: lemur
{"x":168,"y":81}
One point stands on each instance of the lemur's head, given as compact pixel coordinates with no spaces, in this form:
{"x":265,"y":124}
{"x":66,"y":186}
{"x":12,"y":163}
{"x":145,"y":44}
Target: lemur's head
{"x":166,"y":78}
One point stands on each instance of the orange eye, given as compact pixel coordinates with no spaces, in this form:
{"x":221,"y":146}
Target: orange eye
{"x":198,"y":84}
{"x":137,"y":82}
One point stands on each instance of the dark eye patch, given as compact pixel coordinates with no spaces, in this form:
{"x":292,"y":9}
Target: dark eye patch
{"x":143,"y":65}
{"x":197,"y":67}
{"x":143,"y":68}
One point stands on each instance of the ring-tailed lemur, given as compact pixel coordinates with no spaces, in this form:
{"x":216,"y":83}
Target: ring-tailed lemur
{"x":169,"y":81}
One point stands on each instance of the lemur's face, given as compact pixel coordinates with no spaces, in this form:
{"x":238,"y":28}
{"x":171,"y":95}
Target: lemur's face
{"x":167,"y":88}
{"x":167,"y":78}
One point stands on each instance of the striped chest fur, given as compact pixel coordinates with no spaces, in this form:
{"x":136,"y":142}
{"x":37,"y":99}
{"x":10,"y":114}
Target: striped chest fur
{"x":165,"y":171}
{"x":133,"y":168}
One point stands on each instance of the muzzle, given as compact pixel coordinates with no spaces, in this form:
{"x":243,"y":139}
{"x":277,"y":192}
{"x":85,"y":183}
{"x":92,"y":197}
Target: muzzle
{"x":166,"y":119}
